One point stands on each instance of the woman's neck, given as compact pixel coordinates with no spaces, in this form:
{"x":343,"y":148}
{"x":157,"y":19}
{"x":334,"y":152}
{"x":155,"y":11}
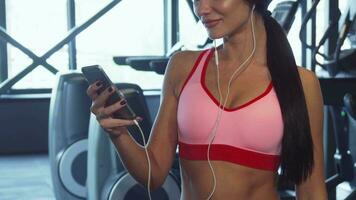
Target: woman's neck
{"x":238,"y":46}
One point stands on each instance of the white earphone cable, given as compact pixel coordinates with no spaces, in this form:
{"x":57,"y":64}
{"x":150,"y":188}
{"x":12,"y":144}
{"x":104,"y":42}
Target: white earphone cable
{"x":148,"y":160}
{"x":217,"y":122}
{"x":239,"y":70}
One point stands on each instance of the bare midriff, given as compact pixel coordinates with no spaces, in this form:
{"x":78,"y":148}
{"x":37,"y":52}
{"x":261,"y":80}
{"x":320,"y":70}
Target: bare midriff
{"x":232,"y":181}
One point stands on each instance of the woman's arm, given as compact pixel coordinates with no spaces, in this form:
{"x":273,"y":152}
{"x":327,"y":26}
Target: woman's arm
{"x":163,"y":138}
{"x":314,"y":187}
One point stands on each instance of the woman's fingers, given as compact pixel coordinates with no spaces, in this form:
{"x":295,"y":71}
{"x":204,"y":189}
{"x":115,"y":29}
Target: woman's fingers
{"x":115,"y":131}
{"x":101,"y":114}
{"x":115,"y":127}
{"x":104,"y":114}
{"x":114,"y":107}
{"x":100,"y":100}
{"x":93,"y":88}
{"x":111,"y":123}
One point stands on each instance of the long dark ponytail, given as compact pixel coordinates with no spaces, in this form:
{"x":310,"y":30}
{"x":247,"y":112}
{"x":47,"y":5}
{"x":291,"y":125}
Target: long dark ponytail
{"x":297,"y":158}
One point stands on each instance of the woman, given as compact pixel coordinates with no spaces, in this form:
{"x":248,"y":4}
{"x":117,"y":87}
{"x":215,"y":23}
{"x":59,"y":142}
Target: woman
{"x":271,"y":113}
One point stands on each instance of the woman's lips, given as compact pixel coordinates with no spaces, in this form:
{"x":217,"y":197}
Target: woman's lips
{"x":211,"y":23}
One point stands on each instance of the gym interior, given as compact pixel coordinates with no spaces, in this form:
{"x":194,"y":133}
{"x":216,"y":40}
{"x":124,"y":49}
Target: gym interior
{"x":51,"y":146}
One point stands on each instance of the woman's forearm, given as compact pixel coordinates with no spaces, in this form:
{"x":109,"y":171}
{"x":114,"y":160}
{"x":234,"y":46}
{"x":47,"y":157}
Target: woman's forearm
{"x":134,"y":158}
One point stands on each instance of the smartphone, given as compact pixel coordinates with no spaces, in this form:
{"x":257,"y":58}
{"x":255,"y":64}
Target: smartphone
{"x":95,"y":73}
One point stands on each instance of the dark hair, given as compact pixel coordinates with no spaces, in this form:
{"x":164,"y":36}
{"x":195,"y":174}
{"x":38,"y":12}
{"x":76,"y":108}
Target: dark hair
{"x":297,"y":159}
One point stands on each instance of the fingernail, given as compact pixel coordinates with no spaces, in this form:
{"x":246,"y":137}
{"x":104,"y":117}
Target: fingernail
{"x":110,"y":89}
{"x":98,"y":83}
{"x":123,"y":102}
{"x":139,"y":118}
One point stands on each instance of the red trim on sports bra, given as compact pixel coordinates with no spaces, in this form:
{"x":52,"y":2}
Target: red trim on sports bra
{"x":202,"y":82}
{"x":192,"y":71}
{"x":230,"y":154}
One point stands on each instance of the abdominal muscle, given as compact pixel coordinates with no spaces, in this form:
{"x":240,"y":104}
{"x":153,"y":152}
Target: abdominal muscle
{"x":232,"y":181}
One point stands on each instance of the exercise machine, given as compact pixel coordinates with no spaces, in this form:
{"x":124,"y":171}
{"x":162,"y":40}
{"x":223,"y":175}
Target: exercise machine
{"x":68,"y":132}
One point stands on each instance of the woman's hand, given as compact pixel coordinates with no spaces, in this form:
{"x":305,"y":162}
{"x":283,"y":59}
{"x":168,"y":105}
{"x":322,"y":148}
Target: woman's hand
{"x":115,"y":127}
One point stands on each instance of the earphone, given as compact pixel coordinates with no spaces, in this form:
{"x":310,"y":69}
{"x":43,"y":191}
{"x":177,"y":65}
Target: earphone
{"x":148,"y":159}
{"x":238,"y":71}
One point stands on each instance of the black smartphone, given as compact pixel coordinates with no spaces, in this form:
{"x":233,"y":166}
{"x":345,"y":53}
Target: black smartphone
{"x":95,"y":73}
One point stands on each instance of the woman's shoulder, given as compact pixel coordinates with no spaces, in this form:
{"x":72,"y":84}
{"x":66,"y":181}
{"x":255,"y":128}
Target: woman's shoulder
{"x":311,"y":85}
{"x":186,"y":57}
{"x":307,"y":76}
{"x":180,"y":65}
{"x":182,"y":62}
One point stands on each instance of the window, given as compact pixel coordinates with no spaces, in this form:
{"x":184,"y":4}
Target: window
{"x":132,"y":27}
{"x":192,"y":33}
{"x":38,"y":25}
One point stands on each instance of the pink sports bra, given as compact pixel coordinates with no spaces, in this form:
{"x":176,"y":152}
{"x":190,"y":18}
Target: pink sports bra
{"x":249,"y":135}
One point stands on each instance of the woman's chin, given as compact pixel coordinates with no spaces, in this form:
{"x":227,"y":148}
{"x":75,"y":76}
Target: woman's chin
{"x":214,"y":36}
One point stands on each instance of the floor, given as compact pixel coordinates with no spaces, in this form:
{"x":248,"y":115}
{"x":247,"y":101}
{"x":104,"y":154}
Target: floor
{"x":27,"y":177}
